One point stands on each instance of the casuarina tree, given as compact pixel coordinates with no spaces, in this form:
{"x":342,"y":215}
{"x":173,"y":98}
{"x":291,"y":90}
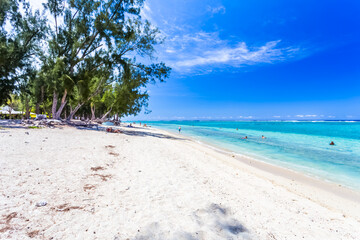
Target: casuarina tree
{"x":21,"y":31}
{"x":94,"y":44}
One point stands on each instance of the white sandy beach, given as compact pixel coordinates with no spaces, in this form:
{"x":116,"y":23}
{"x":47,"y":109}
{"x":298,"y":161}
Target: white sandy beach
{"x":149,"y":184}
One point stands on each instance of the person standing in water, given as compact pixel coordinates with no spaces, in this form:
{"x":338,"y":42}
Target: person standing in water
{"x":179,"y":129}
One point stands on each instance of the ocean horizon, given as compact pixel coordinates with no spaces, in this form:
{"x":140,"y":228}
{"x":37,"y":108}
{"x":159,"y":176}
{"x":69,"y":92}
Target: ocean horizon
{"x":299,"y":145}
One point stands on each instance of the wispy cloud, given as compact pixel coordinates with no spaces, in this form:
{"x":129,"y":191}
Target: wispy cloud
{"x":146,"y":12}
{"x":239,"y":55}
{"x":306,"y":116}
{"x":244,"y":117}
{"x":186,"y":52}
{"x":214,"y":10}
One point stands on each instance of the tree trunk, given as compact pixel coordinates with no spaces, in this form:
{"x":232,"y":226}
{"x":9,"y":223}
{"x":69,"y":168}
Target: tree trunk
{"x":72,"y":113}
{"x":62,"y":105}
{"x":104,"y":117}
{"x":42,"y":94}
{"x":92,"y":107}
{"x":54,"y":105}
{"x":37,"y":108}
{"x":42,"y":102}
{"x":27,"y":108}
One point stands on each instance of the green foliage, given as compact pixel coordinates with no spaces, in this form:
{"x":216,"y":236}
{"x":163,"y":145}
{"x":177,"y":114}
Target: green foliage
{"x":88,"y":59}
{"x":18,"y":45}
{"x":14,"y":102}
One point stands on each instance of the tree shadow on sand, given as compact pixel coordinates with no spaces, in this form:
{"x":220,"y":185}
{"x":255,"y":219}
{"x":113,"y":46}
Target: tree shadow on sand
{"x":214,"y":222}
{"x":11,"y":124}
{"x":149,"y":134}
{"x":131,"y":132}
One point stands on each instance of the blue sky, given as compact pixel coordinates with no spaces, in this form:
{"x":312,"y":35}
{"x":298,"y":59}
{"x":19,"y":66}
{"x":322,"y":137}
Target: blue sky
{"x":255,"y":59}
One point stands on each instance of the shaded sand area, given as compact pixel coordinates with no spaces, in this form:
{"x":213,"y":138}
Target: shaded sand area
{"x":66,"y":183}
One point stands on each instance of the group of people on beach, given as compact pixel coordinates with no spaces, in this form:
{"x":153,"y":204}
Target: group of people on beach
{"x":109,"y":129}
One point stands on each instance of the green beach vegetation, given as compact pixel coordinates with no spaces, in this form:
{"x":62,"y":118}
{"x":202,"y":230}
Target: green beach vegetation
{"x":78,"y":57}
{"x":34,"y":127}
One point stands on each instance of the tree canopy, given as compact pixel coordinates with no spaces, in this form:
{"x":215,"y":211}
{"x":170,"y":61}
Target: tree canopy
{"x":96,"y":57}
{"x":20,"y":34}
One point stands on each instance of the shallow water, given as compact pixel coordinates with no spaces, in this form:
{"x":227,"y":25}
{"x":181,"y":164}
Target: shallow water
{"x":300,"y":146}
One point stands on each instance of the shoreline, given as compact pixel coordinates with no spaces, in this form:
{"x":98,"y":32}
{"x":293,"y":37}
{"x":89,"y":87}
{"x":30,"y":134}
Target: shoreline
{"x":311,"y":183}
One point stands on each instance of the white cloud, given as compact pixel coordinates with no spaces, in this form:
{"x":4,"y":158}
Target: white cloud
{"x":208,"y":49}
{"x":276,"y":116}
{"x":185,"y":49}
{"x":37,"y":4}
{"x":178,"y":118}
{"x":306,"y":116}
{"x":239,"y":55}
{"x":245,"y":117}
{"x":214,"y":10}
{"x":146,"y":12}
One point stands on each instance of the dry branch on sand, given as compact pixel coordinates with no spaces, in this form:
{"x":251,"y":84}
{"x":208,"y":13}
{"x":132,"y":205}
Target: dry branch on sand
{"x":103,"y":177}
{"x":33,"y":234}
{"x":65,"y":208}
{"x":88,"y":187}
{"x":95,"y":169}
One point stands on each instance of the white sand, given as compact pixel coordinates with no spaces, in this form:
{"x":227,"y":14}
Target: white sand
{"x":155,"y":185}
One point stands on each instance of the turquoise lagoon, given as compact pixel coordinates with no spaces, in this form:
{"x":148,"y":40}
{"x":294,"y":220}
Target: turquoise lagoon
{"x":300,"y":146}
